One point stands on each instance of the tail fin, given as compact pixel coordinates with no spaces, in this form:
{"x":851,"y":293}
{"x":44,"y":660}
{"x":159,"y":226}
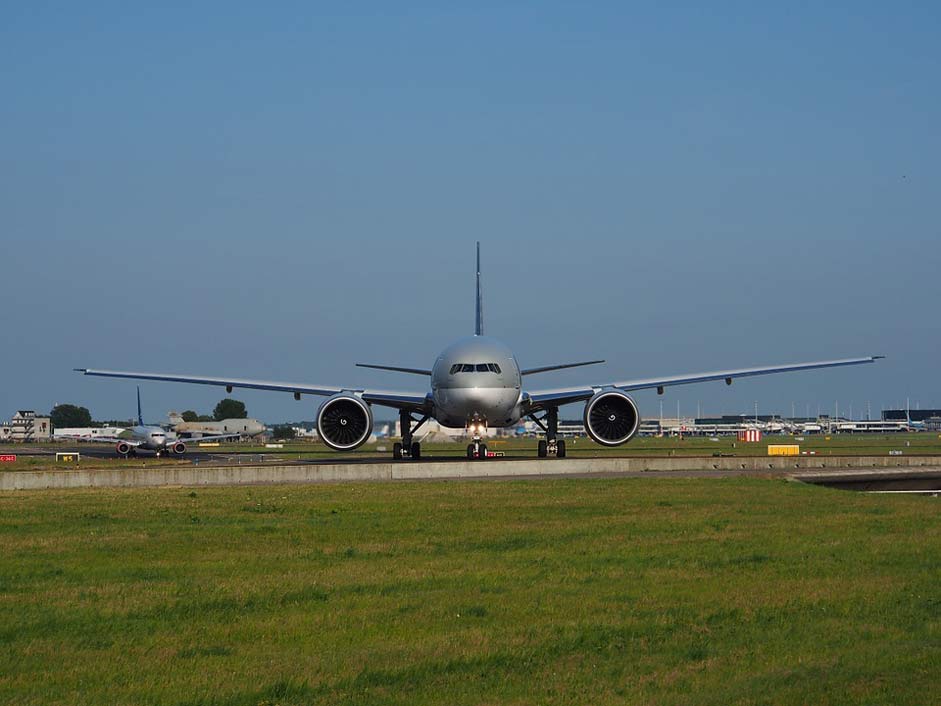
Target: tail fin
{"x":140,"y":417}
{"x":479,"y":328}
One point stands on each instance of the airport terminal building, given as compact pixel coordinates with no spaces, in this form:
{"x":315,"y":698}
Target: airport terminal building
{"x":26,"y":426}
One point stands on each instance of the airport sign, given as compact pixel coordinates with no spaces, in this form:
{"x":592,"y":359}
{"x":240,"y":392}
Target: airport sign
{"x":7,"y":458}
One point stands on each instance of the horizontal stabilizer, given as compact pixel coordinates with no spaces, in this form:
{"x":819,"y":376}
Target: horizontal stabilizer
{"x":547,"y":368}
{"x":395,"y":368}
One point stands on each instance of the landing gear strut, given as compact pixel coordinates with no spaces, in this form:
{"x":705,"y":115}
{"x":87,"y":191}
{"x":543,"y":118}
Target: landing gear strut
{"x":552,"y":445}
{"x":476,"y":449}
{"x":407,"y":448}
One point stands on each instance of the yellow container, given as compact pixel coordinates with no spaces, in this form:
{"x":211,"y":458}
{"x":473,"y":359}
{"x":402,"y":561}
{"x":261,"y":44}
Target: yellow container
{"x":784,"y":450}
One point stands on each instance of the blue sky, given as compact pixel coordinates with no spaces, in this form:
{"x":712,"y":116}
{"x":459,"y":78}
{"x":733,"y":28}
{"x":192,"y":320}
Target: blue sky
{"x":279,"y":192}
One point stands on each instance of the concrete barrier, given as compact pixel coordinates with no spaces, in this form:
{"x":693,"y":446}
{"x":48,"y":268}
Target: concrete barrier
{"x":415,"y":470}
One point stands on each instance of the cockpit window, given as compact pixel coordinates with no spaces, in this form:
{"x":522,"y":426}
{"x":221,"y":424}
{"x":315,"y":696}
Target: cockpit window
{"x":475,"y":367}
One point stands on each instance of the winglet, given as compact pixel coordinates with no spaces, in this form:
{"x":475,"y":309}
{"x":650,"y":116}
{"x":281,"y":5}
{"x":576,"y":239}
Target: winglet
{"x":80,"y":370}
{"x":479,"y":328}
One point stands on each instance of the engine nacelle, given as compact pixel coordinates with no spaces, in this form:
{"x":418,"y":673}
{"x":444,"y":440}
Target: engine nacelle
{"x":611,"y":417}
{"x":344,"y":422}
{"x":179,"y":448}
{"x":123,"y":448}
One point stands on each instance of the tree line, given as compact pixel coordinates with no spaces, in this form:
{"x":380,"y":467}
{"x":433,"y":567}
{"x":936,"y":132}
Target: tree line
{"x":70,"y":415}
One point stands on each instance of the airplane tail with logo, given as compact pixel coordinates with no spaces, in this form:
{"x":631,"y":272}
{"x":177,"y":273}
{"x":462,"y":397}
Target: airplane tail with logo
{"x":140,"y":417}
{"x":479,"y":328}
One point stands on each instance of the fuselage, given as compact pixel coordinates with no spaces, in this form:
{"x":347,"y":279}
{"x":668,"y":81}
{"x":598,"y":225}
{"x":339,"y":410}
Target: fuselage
{"x":477,"y":380}
{"x":149,"y":438}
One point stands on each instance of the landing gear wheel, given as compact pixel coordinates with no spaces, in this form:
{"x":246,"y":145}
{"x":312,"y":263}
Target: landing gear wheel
{"x":470,"y":451}
{"x":397,"y":451}
{"x":560,"y":449}
{"x":481,"y":452}
{"x":543,"y":449}
{"x":416,"y":450}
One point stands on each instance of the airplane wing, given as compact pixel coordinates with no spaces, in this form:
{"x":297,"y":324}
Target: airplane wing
{"x":385,"y":398}
{"x":102,"y":439}
{"x":540,"y":399}
{"x":202,"y":439}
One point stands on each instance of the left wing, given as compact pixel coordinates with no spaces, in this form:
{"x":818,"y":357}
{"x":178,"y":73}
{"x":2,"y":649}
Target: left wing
{"x":386,"y":398}
{"x":541,"y":399}
{"x":562,"y":366}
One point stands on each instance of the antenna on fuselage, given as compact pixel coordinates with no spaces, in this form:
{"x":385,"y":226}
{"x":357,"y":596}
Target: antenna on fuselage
{"x":479,"y":328}
{"x":140,"y":417}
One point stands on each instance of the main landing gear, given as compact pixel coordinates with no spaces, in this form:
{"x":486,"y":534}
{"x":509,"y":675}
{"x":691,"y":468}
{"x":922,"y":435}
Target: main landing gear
{"x":407,"y":448}
{"x":476,"y":449}
{"x":552,"y":445}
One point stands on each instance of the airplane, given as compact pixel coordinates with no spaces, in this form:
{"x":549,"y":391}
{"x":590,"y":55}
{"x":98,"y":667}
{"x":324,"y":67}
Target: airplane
{"x":197,"y":431}
{"x":145,"y":437}
{"x":477,"y":383}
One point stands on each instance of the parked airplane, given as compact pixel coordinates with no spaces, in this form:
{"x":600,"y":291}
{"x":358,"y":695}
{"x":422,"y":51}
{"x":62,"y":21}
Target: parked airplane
{"x":199,"y":430}
{"x":145,"y":437}
{"x":477,"y":382}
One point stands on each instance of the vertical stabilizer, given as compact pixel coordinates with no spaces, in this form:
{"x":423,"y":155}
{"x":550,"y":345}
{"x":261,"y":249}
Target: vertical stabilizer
{"x":140,"y":417}
{"x":479,"y":328}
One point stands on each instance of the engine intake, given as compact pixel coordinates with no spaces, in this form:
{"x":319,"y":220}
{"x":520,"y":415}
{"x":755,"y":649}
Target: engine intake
{"x":344,"y":422}
{"x":179,"y":448}
{"x":611,"y":418}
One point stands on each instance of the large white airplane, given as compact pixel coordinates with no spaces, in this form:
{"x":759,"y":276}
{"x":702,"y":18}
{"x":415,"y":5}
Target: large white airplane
{"x":476,"y":383}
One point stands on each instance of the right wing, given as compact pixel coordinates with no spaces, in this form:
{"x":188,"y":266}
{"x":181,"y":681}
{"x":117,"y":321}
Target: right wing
{"x":395,"y":368}
{"x":386,"y":398}
{"x":102,"y":439}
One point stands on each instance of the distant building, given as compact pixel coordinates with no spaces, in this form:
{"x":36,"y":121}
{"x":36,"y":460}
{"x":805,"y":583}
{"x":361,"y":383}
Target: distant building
{"x":916,"y":415}
{"x":26,"y":426}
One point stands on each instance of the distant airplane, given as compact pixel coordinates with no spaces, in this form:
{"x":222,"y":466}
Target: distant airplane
{"x":477,"y":382}
{"x":145,"y":437}
{"x":197,"y":431}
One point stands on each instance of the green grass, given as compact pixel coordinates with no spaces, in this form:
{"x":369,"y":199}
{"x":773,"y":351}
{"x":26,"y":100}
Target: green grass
{"x":923,"y":443}
{"x":552,"y":592}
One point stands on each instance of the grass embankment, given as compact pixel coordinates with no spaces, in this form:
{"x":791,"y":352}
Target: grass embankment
{"x":561,"y":591}
{"x":836,"y":445}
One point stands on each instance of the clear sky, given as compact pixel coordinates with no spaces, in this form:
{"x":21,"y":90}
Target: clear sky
{"x":279,"y":190}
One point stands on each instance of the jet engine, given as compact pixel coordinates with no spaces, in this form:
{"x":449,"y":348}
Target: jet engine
{"x":123,"y":448}
{"x":344,"y":422}
{"x":611,"y":417}
{"x":178,"y":447}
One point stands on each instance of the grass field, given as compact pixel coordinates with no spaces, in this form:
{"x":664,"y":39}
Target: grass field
{"x":528,"y":592}
{"x":923,"y":443}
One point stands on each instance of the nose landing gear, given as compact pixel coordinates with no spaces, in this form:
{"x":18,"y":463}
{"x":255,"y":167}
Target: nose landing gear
{"x":476,"y":449}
